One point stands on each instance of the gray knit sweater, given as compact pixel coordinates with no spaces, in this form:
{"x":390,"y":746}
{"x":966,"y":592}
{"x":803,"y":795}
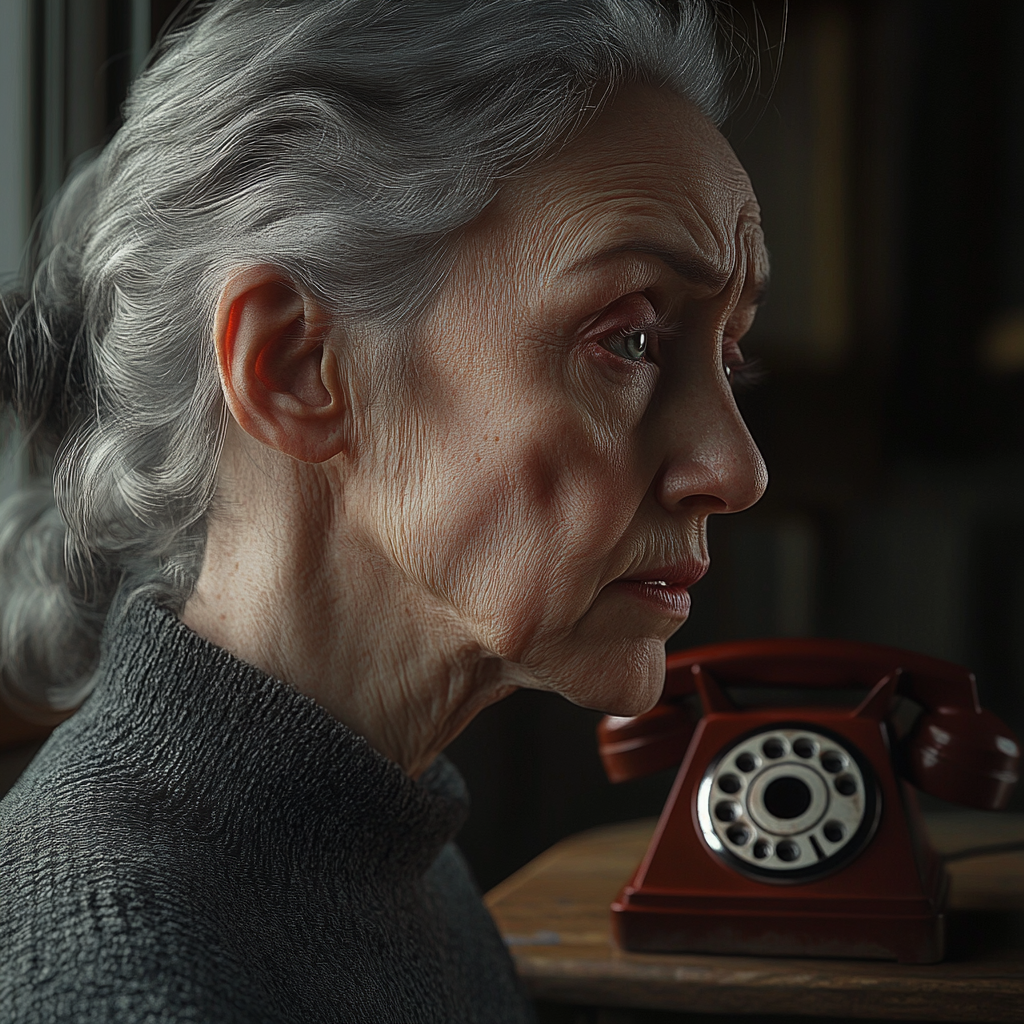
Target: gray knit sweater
{"x":200,"y":842}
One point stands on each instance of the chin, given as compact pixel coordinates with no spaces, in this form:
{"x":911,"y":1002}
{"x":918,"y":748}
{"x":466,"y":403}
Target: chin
{"x":626,"y":680}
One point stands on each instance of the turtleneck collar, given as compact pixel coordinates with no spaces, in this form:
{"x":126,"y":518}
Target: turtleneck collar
{"x":248,"y":768}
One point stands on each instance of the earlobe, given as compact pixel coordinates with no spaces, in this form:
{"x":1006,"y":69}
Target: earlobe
{"x":281,"y":378}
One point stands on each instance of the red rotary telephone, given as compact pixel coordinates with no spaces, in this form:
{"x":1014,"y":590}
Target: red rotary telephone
{"x":794,"y":830}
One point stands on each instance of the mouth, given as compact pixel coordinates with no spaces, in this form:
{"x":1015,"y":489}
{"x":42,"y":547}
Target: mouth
{"x":666,"y":587}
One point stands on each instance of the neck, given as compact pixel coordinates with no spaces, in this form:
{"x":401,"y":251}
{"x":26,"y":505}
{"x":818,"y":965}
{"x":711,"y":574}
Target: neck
{"x":303,"y":600}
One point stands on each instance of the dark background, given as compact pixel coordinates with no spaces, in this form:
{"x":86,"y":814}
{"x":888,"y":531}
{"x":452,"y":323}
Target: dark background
{"x":887,"y":148}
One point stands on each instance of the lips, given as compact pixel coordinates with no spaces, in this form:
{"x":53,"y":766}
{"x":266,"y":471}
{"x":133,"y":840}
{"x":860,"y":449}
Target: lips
{"x":682,"y":575}
{"x":665,"y":587}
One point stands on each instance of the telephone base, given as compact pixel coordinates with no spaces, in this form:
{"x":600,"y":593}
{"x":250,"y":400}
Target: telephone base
{"x":910,"y":938}
{"x":791,"y":829}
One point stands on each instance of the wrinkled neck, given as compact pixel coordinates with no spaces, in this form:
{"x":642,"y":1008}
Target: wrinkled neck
{"x":286,"y":586}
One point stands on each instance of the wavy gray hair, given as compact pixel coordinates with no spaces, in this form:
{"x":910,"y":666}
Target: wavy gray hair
{"x":344,"y":142}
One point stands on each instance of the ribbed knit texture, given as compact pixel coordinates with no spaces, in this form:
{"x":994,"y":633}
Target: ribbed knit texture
{"x":200,"y":842}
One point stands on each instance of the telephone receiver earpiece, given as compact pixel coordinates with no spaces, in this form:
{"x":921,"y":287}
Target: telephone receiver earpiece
{"x":950,"y":747}
{"x":632,"y":748}
{"x":965,"y":756}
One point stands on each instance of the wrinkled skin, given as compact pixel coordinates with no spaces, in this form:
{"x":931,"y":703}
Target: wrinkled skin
{"x":412,"y":526}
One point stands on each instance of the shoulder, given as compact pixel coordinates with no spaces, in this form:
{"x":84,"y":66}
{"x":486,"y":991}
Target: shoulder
{"x":99,"y":918}
{"x":479,"y":962}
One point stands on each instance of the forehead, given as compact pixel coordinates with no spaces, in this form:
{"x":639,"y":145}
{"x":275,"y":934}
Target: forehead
{"x":650,"y":178}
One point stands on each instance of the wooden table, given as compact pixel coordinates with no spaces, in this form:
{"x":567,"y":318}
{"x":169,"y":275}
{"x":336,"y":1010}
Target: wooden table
{"x":554,"y":916}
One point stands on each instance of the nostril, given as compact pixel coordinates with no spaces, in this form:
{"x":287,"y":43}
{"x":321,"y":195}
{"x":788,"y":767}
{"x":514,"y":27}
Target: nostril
{"x":702,"y":504}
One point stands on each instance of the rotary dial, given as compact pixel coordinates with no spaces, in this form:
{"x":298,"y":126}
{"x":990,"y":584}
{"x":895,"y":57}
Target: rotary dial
{"x":786,"y":804}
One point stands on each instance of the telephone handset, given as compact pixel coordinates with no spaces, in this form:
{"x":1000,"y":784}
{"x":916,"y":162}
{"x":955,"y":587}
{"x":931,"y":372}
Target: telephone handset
{"x":794,"y":830}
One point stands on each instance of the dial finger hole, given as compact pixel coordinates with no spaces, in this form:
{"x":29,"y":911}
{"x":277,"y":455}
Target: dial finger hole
{"x":788,"y":851}
{"x":834,"y":831}
{"x":730,"y":783}
{"x":738,"y":835}
{"x":804,"y":747}
{"x":846,"y":785}
{"x":726,"y":810}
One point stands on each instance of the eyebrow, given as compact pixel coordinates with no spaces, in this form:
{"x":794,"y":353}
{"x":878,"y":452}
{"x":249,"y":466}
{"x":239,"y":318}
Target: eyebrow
{"x":687,"y":265}
{"x":760,"y":295}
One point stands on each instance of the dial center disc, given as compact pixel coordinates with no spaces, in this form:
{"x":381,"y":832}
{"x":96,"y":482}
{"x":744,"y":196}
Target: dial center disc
{"x":787,"y":797}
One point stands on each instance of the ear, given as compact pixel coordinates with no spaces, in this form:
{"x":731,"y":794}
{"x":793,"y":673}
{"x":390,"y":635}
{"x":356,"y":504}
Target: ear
{"x":280,"y":376}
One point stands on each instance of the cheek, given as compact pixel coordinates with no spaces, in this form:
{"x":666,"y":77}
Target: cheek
{"x":546,"y":528}
{"x":505,"y":487}
{"x":514,"y":527}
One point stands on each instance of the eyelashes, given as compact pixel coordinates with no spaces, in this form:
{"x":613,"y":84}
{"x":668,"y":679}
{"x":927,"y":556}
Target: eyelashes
{"x":747,"y":374}
{"x":638,"y":342}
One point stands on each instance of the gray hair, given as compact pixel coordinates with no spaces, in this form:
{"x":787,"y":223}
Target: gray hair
{"x":345,"y":143}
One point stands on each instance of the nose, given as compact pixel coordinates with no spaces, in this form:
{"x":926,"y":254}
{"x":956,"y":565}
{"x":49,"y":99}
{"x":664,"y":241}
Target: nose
{"x":711,"y":463}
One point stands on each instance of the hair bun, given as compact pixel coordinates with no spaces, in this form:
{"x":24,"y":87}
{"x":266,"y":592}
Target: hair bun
{"x":43,"y":368}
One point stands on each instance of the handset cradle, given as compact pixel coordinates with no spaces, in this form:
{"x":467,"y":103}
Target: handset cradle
{"x":795,"y":830}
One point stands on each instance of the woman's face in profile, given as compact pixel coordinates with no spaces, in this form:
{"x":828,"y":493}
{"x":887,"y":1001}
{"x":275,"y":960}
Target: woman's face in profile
{"x":543,"y":468}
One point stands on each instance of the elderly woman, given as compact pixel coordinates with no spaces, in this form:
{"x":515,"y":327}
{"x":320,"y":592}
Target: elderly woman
{"x":382,"y":363}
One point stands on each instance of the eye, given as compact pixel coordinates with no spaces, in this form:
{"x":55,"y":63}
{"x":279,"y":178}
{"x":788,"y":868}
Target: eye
{"x":740,"y":372}
{"x":631,"y":345}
